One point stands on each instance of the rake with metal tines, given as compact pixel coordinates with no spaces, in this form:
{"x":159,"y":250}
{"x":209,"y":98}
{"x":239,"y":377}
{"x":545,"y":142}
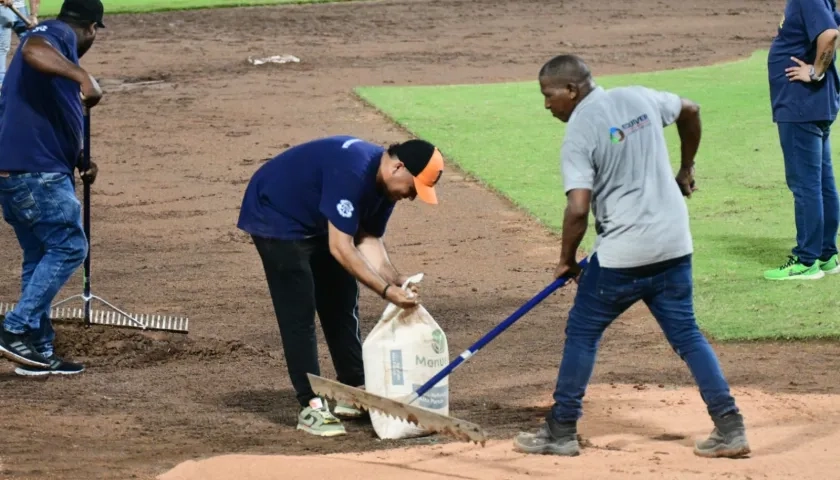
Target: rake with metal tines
{"x":401,"y":408}
{"x":116,"y":318}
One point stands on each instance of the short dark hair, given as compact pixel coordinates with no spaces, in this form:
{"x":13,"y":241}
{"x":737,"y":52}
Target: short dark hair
{"x":566,"y":69}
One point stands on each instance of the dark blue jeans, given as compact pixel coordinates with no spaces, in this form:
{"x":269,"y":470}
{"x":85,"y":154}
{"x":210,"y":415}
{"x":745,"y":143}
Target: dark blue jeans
{"x":604,"y":294}
{"x":45,"y":214}
{"x":810,"y":177}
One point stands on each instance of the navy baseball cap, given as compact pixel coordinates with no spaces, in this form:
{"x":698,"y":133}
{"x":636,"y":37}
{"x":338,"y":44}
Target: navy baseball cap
{"x":84,"y":10}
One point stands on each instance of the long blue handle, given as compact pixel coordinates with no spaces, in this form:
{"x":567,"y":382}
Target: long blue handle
{"x":487,"y":338}
{"x":86,"y":218}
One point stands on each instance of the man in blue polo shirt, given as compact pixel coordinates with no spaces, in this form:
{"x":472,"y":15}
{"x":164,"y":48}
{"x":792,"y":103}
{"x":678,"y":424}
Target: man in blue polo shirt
{"x":41,"y":121}
{"x":805,"y":98}
{"x":317,"y":214}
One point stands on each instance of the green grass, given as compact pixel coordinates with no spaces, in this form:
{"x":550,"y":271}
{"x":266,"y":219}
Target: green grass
{"x":742,"y":216}
{"x":50,"y":8}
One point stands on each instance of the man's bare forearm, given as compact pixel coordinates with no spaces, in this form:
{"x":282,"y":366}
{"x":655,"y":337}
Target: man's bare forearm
{"x":34,"y":7}
{"x":42,"y":56}
{"x":575,"y":223}
{"x":374,"y":250}
{"x":827,"y":44}
{"x":690,"y":131}
{"x":353,"y":261}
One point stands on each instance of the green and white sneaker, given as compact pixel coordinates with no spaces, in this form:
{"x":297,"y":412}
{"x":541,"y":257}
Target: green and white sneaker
{"x":317,"y":420}
{"x":348,"y":410}
{"x":830,"y":266}
{"x":794,"y":270}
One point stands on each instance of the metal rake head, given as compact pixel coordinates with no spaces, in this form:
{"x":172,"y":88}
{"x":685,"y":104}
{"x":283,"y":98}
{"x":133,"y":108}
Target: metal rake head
{"x":115,"y":319}
{"x":424,"y":418}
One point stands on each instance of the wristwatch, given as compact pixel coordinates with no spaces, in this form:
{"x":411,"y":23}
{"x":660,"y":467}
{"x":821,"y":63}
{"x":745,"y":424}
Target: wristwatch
{"x":813,"y":75}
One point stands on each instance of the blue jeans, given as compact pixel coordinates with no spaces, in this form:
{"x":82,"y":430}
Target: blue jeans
{"x":9,"y":22}
{"x":604,"y":294}
{"x":810,"y":177}
{"x":45,"y":214}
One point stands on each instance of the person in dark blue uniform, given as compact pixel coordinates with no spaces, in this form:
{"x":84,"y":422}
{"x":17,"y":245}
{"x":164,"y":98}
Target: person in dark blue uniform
{"x":317,"y":214}
{"x":41,"y":121}
{"x":805,"y":98}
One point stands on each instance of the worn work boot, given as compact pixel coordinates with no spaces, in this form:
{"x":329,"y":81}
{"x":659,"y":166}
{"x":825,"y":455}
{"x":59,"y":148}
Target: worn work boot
{"x":728,"y":439}
{"x":552,"y":438}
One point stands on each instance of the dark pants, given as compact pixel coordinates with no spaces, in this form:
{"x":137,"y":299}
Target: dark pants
{"x":810,"y":177}
{"x":604,"y":294}
{"x":304,"y":278}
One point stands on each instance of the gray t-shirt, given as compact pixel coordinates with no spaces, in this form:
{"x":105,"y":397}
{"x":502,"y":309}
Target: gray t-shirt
{"x":615,"y":146}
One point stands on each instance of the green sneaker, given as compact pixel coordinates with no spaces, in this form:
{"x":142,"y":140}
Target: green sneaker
{"x":348,"y":410}
{"x":830,"y":266}
{"x":317,"y":420}
{"x":793,"y":270}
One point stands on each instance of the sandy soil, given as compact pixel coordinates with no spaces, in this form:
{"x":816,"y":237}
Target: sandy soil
{"x":185,"y":122}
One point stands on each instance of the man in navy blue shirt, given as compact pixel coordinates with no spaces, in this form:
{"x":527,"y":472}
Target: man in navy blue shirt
{"x":317,"y":214}
{"x":41,"y":121}
{"x":805,"y":98}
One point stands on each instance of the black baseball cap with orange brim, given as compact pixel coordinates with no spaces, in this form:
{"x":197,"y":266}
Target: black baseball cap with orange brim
{"x":84,"y":10}
{"x":425,"y":162}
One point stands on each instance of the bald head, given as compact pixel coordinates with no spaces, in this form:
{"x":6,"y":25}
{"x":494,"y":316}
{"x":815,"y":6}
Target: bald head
{"x":565,"y":69}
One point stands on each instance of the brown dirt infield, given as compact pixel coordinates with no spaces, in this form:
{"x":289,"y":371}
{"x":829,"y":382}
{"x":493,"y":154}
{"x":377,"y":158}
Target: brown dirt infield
{"x":175,"y":154}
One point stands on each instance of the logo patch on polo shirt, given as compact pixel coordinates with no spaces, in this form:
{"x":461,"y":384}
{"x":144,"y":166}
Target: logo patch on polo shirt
{"x":617,"y":135}
{"x":345,"y":208}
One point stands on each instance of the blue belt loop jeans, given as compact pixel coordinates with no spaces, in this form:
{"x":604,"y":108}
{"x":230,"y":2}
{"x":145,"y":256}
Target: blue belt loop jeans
{"x":604,"y":294}
{"x":45,"y":214}
{"x":810,"y":177}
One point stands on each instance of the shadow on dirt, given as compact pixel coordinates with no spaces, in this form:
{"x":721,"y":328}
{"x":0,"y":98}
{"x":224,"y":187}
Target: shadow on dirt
{"x":277,"y":406}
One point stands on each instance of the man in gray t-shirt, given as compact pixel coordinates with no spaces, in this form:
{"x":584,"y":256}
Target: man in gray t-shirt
{"x":615,"y":163}
{"x":615,"y":147}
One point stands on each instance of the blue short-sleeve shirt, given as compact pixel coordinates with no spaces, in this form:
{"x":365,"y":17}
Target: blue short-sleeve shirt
{"x":41,"y":116}
{"x":803,"y":21}
{"x":294,"y":195}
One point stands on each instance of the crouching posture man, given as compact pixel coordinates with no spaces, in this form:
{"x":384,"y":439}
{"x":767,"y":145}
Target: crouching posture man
{"x":317,"y":214}
{"x":614,"y":155}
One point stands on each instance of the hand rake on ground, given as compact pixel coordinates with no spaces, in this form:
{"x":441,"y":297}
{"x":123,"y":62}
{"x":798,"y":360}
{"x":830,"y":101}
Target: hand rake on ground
{"x":402,"y":408}
{"x":117,"y":317}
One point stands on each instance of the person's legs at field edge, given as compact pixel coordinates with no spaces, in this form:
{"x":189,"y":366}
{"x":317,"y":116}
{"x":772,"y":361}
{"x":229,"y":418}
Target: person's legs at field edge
{"x":670,"y":300}
{"x":45,"y":214}
{"x":7,"y":19}
{"x":802,"y":147}
{"x":337,"y":302}
{"x":291,"y":286}
{"x":601,"y":297}
{"x":19,"y":26}
{"x":831,"y":207}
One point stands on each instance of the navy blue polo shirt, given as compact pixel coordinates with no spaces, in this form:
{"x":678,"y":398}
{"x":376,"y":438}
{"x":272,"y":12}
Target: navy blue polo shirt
{"x":803,"y":21}
{"x":41,"y":116}
{"x":295,"y":194}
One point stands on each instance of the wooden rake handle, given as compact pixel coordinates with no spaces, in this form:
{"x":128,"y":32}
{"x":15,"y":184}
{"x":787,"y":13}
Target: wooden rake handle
{"x":21,"y":16}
